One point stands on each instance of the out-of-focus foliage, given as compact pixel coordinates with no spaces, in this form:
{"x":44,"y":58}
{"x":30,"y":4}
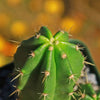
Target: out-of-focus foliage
{"x":20,"y":19}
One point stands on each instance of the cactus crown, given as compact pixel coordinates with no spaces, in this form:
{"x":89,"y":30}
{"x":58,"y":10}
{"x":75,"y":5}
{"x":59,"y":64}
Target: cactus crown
{"x":56,"y":65}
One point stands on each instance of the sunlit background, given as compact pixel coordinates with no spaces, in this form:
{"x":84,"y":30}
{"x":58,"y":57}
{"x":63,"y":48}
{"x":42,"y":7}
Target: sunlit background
{"x":21,"y":19}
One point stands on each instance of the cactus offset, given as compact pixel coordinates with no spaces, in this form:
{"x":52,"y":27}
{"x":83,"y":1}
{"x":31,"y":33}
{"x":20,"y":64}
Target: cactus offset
{"x":52,"y":62}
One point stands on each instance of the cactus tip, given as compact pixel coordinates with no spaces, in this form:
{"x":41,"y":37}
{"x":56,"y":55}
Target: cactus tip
{"x":71,"y":77}
{"x":37,"y":36}
{"x":94,"y":95}
{"x":62,"y":31}
{"x":50,"y":48}
{"x":20,"y":74}
{"x":16,"y":91}
{"x":15,"y":42}
{"x":51,"y":40}
{"x":82,"y":96}
{"x":69,"y":35}
{"x":72,"y":94}
{"x":47,"y":73}
{"x":44,"y":95}
{"x":32,"y":54}
{"x":85,"y":62}
{"x":64,"y":56}
{"x":56,"y":42}
{"x":79,"y":48}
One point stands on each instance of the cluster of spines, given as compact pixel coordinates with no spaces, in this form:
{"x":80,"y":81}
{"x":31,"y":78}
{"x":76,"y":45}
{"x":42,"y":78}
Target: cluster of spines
{"x":45,"y":40}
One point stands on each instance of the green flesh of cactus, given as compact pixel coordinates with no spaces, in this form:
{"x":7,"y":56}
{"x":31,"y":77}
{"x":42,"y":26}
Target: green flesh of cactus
{"x":52,"y":62}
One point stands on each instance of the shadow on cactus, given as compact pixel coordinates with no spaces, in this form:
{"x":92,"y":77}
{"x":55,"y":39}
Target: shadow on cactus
{"x":54,"y":68}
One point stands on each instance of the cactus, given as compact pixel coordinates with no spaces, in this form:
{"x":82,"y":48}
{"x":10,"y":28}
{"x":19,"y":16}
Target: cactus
{"x":54,"y":64}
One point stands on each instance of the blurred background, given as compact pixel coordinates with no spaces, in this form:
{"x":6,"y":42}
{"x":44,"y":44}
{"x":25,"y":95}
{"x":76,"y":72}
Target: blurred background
{"x":21,"y":19}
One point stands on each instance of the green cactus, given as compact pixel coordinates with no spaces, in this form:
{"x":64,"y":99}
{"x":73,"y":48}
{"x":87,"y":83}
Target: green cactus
{"x":53,"y":64}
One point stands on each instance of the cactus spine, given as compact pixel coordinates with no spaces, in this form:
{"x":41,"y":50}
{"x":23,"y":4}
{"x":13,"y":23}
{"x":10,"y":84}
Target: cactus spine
{"x":56,"y":65}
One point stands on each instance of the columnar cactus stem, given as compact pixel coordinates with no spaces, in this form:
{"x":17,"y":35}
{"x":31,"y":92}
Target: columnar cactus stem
{"x":56,"y":64}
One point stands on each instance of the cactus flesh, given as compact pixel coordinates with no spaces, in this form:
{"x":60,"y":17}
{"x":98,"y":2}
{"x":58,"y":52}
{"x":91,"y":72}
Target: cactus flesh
{"x":53,"y":63}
